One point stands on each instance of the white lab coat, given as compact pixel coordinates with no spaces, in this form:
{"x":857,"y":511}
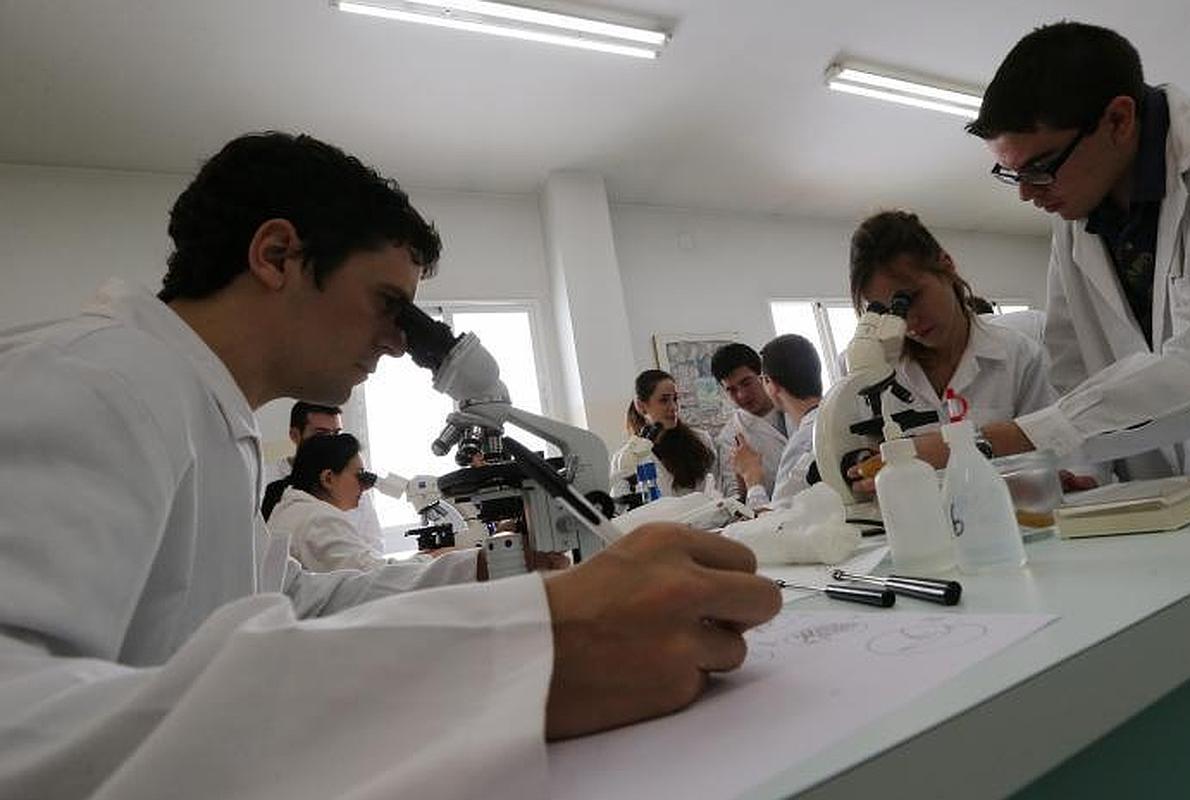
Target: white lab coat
{"x":632,"y":452}
{"x":363,"y":517}
{"x":1030,"y":322}
{"x":1001,"y":374}
{"x":792,"y":470}
{"x":762,"y":435}
{"x":1111,"y":378}
{"x":146,"y":651}
{"x":321,"y":537}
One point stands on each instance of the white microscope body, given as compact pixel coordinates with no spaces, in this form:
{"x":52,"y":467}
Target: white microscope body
{"x":848,"y":426}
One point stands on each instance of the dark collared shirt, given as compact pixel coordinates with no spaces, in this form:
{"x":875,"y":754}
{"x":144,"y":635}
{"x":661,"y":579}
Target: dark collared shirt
{"x":1131,"y":236}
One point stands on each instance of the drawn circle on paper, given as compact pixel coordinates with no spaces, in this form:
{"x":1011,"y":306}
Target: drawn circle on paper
{"x":927,"y":636}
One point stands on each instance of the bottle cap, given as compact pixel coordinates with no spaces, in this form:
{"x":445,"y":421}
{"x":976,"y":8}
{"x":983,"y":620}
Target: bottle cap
{"x":956,"y":405}
{"x":895,"y":450}
{"x":959,"y":431}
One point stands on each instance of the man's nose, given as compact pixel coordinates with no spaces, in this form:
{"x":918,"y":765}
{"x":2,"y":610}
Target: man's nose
{"x":392,"y":341}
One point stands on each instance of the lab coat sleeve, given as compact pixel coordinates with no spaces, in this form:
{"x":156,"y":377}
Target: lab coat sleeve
{"x":65,"y":506}
{"x":321,"y":593}
{"x":624,"y":460}
{"x":1066,"y":367}
{"x":1136,"y":389}
{"x":435,"y":694}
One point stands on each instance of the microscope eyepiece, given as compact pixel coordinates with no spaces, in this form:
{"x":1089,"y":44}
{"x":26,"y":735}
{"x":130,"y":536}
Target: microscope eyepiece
{"x":429,"y":341}
{"x":900,"y":304}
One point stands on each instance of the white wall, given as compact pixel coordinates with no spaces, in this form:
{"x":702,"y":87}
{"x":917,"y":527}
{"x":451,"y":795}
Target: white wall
{"x":699,"y":272}
{"x":64,"y":231}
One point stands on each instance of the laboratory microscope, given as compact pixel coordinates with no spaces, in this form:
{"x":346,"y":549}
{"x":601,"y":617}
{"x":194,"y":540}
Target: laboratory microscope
{"x":558,"y":505}
{"x":849,"y":424}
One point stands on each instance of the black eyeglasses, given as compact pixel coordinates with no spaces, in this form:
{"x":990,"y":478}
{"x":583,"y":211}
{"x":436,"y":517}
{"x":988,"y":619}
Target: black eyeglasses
{"x":1039,"y":174}
{"x":366,"y":479}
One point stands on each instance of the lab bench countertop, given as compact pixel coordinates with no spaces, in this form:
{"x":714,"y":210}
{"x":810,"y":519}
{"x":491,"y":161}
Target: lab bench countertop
{"x":1120,"y":644}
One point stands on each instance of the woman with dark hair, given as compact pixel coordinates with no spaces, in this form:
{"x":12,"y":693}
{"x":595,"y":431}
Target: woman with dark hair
{"x":684,"y":455}
{"x":999,"y":372}
{"x":327,"y":481}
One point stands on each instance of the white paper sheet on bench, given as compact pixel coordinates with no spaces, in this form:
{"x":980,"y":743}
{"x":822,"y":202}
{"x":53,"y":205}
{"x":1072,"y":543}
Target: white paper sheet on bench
{"x":811,"y":678}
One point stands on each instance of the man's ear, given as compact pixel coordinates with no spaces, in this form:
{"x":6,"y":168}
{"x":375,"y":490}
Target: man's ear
{"x":295,"y":436}
{"x":274,"y":243}
{"x":1120,"y":117}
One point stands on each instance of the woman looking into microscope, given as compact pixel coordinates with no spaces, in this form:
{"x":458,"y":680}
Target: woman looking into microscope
{"x":999,"y":372}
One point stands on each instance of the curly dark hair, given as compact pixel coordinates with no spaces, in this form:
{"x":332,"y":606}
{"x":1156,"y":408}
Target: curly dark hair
{"x":1062,"y":76}
{"x":337,"y":205}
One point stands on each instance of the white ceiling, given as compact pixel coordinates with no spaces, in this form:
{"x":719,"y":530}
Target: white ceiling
{"x":734,"y":116}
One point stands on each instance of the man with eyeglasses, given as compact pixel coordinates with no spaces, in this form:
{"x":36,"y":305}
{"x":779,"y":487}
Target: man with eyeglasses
{"x":1074,"y":127}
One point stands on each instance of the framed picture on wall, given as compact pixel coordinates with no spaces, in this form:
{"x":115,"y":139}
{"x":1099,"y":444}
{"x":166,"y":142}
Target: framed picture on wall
{"x":687,"y":356}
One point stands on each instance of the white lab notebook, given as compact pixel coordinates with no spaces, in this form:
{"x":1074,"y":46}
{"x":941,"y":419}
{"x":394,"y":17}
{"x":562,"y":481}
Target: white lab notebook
{"x":1162,"y":504}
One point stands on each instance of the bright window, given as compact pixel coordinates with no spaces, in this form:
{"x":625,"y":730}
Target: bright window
{"x":404,"y":413}
{"x":828,"y":324}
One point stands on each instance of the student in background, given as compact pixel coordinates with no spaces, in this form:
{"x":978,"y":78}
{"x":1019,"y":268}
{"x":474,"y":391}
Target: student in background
{"x":1074,"y":127}
{"x":685,"y":456}
{"x":792,"y":375}
{"x":314,"y":512}
{"x":305,"y":420}
{"x":756,"y":421}
{"x":312,"y":419}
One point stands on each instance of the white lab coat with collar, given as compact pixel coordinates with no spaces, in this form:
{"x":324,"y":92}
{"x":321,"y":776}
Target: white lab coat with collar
{"x":762,"y":435}
{"x":146,"y":649}
{"x":321,"y":537}
{"x":1001,"y":375}
{"x":792,"y":469}
{"x":1101,"y":361}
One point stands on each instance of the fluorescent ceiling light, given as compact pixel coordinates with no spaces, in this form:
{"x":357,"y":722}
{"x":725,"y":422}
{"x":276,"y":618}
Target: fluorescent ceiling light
{"x":949,"y":99}
{"x":518,"y":22}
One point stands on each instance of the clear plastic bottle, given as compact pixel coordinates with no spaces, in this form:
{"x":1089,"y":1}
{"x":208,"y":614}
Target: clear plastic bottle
{"x":914,"y":517}
{"x":981,"y":511}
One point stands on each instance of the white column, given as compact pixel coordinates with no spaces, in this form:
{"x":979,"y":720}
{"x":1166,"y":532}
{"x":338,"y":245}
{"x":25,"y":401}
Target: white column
{"x":594,"y":340}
